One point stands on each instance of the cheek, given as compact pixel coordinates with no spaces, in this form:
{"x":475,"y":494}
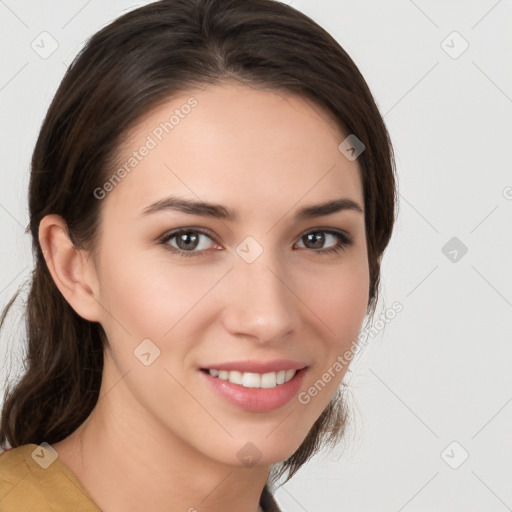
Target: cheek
{"x":150,"y":296}
{"x":339,"y":295}
{"x":340,"y":301}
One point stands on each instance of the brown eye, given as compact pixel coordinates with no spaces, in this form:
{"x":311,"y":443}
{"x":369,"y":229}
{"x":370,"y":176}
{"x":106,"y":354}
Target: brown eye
{"x":316,"y":239}
{"x":187,"y":241}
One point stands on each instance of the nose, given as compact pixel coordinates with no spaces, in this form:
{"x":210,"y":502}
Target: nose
{"x":262,"y":304}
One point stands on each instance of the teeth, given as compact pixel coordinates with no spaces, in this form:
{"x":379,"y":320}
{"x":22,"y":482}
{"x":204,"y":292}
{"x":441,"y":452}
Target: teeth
{"x":254,"y":380}
{"x":234,"y":377}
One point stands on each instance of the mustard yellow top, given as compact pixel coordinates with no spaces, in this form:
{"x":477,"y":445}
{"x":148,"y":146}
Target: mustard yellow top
{"x":26,"y":485}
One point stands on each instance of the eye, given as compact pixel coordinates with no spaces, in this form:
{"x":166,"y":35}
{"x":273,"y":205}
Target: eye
{"x":186,"y":241}
{"x":191,"y":242}
{"x":318,"y":238}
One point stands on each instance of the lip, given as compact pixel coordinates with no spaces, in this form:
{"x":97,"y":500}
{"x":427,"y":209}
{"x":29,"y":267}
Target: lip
{"x":256,"y":399}
{"x":253,"y":366}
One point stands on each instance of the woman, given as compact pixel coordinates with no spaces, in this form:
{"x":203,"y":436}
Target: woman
{"x":211,"y":194}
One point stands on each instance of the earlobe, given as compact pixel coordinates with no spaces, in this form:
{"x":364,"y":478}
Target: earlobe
{"x":71,"y":269}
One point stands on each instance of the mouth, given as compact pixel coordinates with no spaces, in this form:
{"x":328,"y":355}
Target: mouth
{"x":255,"y":392}
{"x":253,"y":380}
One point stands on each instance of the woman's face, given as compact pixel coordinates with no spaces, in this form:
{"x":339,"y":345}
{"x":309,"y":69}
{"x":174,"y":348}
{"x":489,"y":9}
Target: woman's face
{"x":251,"y":289}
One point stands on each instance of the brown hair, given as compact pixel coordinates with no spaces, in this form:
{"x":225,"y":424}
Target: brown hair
{"x":125,"y":70}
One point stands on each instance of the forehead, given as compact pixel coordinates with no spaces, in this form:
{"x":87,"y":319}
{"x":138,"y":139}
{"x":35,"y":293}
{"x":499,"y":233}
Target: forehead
{"x":235,"y":145}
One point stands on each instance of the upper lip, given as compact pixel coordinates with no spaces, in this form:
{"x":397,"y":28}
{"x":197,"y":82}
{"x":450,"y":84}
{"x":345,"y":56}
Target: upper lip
{"x":253,"y":366}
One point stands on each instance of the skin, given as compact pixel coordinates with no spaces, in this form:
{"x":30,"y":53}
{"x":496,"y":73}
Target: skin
{"x":158,"y":435}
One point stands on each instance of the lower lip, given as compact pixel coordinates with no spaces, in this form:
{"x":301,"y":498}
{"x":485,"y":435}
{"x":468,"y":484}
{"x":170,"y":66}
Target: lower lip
{"x":256,"y":399}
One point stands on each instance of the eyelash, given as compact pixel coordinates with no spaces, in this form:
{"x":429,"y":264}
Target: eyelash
{"x":345,"y":240}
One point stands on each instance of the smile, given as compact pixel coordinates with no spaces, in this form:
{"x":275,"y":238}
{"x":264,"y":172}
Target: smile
{"x":254,"y":380}
{"x":255,"y":392}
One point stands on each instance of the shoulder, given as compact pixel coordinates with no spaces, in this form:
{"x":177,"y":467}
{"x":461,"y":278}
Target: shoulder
{"x":31,"y":479}
{"x":18,"y":487}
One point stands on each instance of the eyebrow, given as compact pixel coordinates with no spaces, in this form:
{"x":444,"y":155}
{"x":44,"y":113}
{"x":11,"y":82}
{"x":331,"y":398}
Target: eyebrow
{"x":221,"y":212}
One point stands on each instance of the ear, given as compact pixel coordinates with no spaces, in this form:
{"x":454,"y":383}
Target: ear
{"x":72,"y":269}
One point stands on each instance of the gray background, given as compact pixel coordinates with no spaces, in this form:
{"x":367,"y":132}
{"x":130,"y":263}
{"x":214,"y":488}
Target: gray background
{"x":439,"y":372}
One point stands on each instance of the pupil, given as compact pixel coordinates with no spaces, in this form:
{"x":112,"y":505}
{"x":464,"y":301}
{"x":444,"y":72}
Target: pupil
{"x":185,"y":239}
{"x":317,"y":239}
